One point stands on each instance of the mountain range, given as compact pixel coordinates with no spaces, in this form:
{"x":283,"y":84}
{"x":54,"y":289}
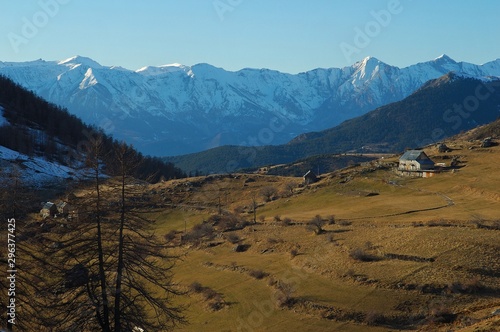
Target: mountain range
{"x":177,"y":109}
{"x":441,"y":108}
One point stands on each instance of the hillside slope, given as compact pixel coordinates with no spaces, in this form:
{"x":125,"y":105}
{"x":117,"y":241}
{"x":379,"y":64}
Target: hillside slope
{"x":45,"y":139}
{"x":440,"y":109}
{"x":393,"y":253}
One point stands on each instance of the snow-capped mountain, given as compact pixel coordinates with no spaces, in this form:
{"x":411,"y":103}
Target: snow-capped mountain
{"x":175,"y":109}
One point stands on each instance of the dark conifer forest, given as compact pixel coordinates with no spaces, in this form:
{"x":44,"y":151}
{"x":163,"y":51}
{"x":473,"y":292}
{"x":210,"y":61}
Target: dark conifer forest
{"x":39,"y":128}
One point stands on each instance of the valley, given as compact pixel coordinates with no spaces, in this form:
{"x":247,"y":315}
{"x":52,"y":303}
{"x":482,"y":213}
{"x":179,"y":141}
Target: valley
{"x":392,"y":253}
{"x":250,"y":166}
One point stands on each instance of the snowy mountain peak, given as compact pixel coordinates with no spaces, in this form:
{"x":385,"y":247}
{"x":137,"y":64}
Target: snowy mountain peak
{"x":366,"y":69}
{"x":177,"y":109}
{"x":443,"y":58}
{"x":370,"y":59}
{"x":164,"y":69}
{"x":80,"y":60}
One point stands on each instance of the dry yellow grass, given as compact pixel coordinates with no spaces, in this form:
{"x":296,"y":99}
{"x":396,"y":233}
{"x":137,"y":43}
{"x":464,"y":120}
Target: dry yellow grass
{"x":422,"y":233}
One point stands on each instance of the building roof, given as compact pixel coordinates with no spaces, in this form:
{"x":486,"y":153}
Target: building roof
{"x":411,"y":155}
{"x":416,"y":155}
{"x":309,"y":174}
{"x":48,"y":205}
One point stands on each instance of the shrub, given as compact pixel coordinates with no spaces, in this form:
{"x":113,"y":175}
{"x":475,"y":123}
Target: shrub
{"x":277,"y":218}
{"x":257,"y":274}
{"x":268,"y":192}
{"x":217,"y":303}
{"x":294,"y":252}
{"x":316,"y":225}
{"x":470,"y":286}
{"x":373,"y":318}
{"x":441,"y":314}
{"x":233,"y":238}
{"x":225,"y":222}
{"x":209,"y":293}
{"x":170,"y":236}
{"x":196,"y":287}
{"x":286,"y":221}
{"x":290,"y":186}
{"x":201,"y":230}
{"x":361,"y":255}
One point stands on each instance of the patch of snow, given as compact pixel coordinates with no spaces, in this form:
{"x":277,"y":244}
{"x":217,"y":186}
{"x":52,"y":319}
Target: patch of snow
{"x":80,"y":60}
{"x":35,"y":170}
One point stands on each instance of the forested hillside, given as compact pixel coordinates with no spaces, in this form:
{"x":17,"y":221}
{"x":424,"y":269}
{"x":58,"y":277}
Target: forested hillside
{"x":37,"y":128}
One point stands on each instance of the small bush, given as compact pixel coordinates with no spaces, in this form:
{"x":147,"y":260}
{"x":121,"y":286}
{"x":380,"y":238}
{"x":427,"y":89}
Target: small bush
{"x":196,"y":287}
{"x":362,"y":256}
{"x":277,"y":218}
{"x":470,"y":286}
{"x":257,"y":274}
{"x":200,"y":231}
{"x":373,"y":318}
{"x":294,"y":252}
{"x":170,"y":236}
{"x":269,"y":193}
{"x":286,"y":221}
{"x":209,"y":293}
{"x":441,"y":314}
{"x":233,"y":238}
{"x":316,"y":225}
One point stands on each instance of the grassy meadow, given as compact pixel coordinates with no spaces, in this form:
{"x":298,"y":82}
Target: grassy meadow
{"x":393,"y":253}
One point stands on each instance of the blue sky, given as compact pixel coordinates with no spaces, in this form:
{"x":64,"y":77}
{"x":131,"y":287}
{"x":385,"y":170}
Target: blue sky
{"x":286,"y":35}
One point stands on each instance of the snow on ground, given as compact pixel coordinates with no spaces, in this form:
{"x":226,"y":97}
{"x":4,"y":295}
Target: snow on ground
{"x":35,"y":171}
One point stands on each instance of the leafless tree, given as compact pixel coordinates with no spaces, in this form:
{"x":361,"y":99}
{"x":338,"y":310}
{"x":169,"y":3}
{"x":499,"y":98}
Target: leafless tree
{"x":316,"y":224}
{"x":268,"y":192}
{"x":107,"y":271}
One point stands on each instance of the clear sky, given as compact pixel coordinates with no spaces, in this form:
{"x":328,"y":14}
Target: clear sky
{"x":286,"y":35}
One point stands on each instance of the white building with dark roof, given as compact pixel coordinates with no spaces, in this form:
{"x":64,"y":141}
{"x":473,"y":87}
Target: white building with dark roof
{"x":416,"y":163}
